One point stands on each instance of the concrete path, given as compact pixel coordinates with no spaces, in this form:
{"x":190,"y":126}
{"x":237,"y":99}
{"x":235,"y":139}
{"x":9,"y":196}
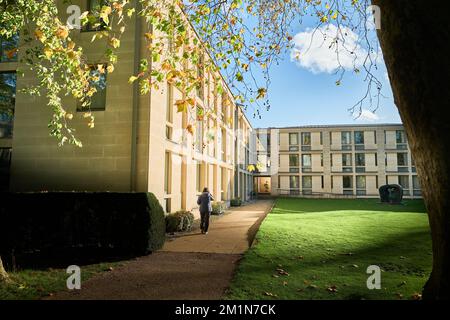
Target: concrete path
{"x":232,"y":233}
{"x":189,"y":267}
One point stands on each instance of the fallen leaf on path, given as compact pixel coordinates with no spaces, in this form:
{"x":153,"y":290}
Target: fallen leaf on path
{"x":270,"y":294}
{"x":332,"y":289}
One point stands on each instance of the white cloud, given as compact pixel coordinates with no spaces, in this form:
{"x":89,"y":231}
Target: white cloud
{"x":367,"y":115}
{"x":316,"y":50}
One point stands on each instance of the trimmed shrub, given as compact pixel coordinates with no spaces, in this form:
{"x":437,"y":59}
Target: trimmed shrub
{"x":179,"y":221}
{"x":77,"y":227}
{"x":236,"y":202}
{"x":218,"y":207}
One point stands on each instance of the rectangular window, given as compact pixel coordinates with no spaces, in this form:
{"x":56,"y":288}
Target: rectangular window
{"x":169,"y":112}
{"x":293,"y":182}
{"x":306,"y":138}
{"x":400,"y":136}
{"x":293,"y":138}
{"x":201,"y":76}
{"x":199,"y":131}
{"x":8,"y":48}
{"x":306,"y":161}
{"x":306,"y":182}
{"x":95,"y":23}
{"x":346,"y":137}
{"x":376,"y":159}
{"x":99,"y":82}
{"x":167,"y":173}
{"x":321,"y":138}
{"x":347,"y":182}
{"x":360,"y":182}
{"x":293,"y":160}
{"x":403,"y":181}
{"x":375,"y":137}
{"x":346,"y":159}
{"x":376,"y":182}
{"x":199,"y":177}
{"x":402,"y":159}
{"x":360,"y":159}
{"x":8,"y":82}
{"x":321,"y":159}
{"x":359,"y":137}
{"x":322,"y":182}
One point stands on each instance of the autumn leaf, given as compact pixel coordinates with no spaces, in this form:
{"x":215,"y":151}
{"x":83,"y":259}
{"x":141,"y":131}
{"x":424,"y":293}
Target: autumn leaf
{"x":190,"y":129}
{"x":261,"y":93}
{"x":62,"y":32}
{"x":48,"y":52}
{"x":181,"y":105}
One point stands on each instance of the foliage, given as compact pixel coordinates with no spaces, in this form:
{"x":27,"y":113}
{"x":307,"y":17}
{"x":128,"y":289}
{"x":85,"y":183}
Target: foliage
{"x":236,"y":202}
{"x":218,"y":207}
{"x":320,"y":249}
{"x":54,"y":228}
{"x":188,"y":43}
{"x":179,"y":221}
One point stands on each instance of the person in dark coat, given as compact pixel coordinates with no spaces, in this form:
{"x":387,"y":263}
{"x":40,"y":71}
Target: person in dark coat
{"x":204,"y":201}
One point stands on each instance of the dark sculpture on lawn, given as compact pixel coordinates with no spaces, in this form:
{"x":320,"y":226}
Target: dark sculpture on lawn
{"x":391,"y":193}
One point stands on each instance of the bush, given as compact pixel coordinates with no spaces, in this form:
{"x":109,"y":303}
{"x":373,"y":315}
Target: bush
{"x":218,"y":207}
{"x":236,"y":202}
{"x":59,"y":227}
{"x":179,"y":221}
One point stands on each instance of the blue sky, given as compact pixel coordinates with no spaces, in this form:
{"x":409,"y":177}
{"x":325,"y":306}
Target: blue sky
{"x":307,"y":94}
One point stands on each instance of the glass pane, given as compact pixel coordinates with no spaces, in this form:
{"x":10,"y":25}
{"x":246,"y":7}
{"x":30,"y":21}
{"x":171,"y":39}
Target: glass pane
{"x":7,"y":103}
{"x":360,"y":182}
{"x":346,"y":137}
{"x":293,"y":138}
{"x":293,"y":182}
{"x":293,"y":160}
{"x":403,"y":181}
{"x":307,"y":182}
{"x":359,"y":137}
{"x":400,"y":136}
{"x":347,"y":182}
{"x":346,"y":159}
{"x":8,"y":49}
{"x":306,"y":138}
{"x":360,"y":159}
{"x":402,"y":159}
{"x":306,"y":159}
{"x":416,"y":184}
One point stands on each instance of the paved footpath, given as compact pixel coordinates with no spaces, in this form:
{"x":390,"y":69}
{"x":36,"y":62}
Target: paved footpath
{"x":190,"y":267}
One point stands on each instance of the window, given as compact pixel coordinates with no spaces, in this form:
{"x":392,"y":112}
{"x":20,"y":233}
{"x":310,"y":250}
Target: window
{"x":199,"y":178}
{"x":347,"y":182}
{"x":359,"y":137}
{"x":360,"y":182}
{"x":5,"y":164}
{"x":201,"y":76}
{"x":167,"y":173}
{"x":360,"y":159}
{"x":375,"y":137}
{"x":95,"y":24}
{"x":403,"y":181}
{"x":199,"y":131}
{"x":8,"y":81}
{"x":98,"y":81}
{"x":321,"y":159}
{"x":360,"y":185}
{"x":293,"y":182}
{"x":346,"y":137}
{"x":346,"y":159}
{"x":306,"y":138}
{"x":293,"y":160}
{"x":306,"y":182}
{"x":169,"y":112}
{"x":306,"y":160}
{"x":321,"y":138}
{"x":402,"y":159}
{"x":400,"y":136}
{"x":293,"y":138}
{"x":322,"y":182}
{"x":8,"y":48}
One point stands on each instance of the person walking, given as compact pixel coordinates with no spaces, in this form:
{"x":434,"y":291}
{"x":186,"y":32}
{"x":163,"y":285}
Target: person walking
{"x":204,"y":201}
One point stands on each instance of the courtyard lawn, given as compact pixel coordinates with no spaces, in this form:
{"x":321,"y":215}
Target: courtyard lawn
{"x":320,"y":249}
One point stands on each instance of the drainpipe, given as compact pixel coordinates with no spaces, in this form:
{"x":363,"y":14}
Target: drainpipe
{"x":134,"y":123}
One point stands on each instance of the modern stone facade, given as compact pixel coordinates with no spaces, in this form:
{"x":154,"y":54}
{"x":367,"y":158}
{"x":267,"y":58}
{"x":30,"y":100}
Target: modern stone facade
{"x":334,"y":161}
{"x":139,"y":143}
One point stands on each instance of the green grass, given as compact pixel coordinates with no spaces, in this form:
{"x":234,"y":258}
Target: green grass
{"x":325,"y":244}
{"x":35,"y":284}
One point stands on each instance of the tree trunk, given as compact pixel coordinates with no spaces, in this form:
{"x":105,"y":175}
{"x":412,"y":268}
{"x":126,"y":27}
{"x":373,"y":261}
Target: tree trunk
{"x":3,"y":275}
{"x":415,"y":41}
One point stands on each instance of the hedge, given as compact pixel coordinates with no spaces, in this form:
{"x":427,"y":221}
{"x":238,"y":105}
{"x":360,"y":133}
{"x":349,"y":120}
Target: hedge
{"x":236,"y":202}
{"x":218,"y":207}
{"x":59,"y":227}
{"x":179,"y":221}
